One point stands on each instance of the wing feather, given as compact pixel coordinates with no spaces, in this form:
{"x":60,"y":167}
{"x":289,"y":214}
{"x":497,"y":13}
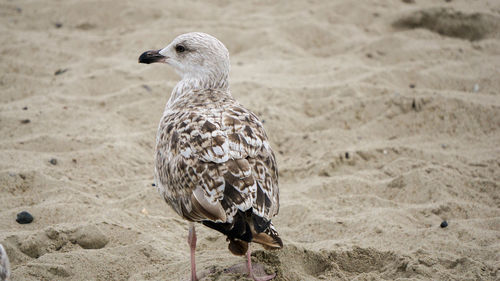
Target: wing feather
{"x":213,"y":158}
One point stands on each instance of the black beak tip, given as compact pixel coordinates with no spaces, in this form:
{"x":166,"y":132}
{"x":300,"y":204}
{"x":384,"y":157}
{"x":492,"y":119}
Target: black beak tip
{"x":151,"y":57}
{"x":145,"y":57}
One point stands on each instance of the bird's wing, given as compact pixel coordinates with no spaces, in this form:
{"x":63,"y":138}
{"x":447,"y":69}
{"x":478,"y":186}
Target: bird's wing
{"x":214,"y":161}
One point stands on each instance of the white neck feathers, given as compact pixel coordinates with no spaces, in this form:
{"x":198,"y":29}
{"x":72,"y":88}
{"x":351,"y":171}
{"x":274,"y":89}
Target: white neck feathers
{"x":189,"y":85}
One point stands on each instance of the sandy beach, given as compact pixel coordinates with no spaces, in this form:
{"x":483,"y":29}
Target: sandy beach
{"x":384,"y":116}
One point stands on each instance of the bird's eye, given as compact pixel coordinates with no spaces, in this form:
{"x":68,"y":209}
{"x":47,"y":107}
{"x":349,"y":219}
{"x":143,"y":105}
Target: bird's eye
{"x":179,"y":48}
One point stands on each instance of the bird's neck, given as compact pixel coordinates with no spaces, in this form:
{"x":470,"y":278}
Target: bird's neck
{"x":192,"y":84}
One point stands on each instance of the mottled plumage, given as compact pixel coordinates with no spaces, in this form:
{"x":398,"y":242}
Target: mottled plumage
{"x":213,"y":161}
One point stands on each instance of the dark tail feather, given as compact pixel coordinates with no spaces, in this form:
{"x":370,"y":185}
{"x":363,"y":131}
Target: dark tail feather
{"x":238,"y":229}
{"x":269,"y":238}
{"x":237,"y":247}
{"x":248,"y":227}
{"x":238,"y":233}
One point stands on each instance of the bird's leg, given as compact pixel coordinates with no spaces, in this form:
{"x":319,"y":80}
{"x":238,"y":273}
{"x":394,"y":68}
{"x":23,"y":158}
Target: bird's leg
{"x":192,"y":246}
{"x":250,"y":269}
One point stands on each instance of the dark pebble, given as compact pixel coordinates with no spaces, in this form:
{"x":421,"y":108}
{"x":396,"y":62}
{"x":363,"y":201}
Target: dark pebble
{"x":53,"y":161}
{"x":444,"y":224}
{"x":58,"y":24}
{"x":25,"y":121}
{"x":60,"y":71}
{"x":412,"y":86}
{"x":25,"y":108}
{"x":347,"y":155}
{"x":24,"y":217}
{"x":153,"y":184}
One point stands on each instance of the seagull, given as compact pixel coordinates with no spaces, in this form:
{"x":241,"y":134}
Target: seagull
{"x":213,"y":161}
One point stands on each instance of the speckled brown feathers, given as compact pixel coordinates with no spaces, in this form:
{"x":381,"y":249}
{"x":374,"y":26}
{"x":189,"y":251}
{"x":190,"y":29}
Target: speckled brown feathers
{"x":213,"y":160}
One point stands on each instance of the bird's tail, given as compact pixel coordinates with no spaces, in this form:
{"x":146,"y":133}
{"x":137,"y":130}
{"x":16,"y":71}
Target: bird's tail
{"x":247,"y":227}
{"x":237,"y":247}
{"x":269,"y":238}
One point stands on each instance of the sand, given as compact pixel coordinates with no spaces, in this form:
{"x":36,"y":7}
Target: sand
{"x":385,"y":117}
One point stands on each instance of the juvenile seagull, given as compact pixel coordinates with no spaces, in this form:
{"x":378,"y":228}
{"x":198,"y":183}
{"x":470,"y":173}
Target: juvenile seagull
{"x":213,"y":163}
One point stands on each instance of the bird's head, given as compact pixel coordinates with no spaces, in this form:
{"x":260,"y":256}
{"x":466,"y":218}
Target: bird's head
{"x":193,"y":55}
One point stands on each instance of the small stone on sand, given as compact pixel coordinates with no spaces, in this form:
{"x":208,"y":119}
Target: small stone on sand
{"x":24,"y":217}
{"x":60,"y":71}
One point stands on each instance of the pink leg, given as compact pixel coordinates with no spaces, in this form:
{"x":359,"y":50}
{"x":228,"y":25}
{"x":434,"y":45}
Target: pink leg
{"x":250,"y":269}
{"x":192,"y":246}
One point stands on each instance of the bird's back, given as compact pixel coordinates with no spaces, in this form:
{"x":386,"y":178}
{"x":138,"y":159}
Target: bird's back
{"x":214,"y":165}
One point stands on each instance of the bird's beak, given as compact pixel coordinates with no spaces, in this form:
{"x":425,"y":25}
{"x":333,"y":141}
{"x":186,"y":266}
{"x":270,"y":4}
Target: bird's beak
{"x":151,"y":57}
